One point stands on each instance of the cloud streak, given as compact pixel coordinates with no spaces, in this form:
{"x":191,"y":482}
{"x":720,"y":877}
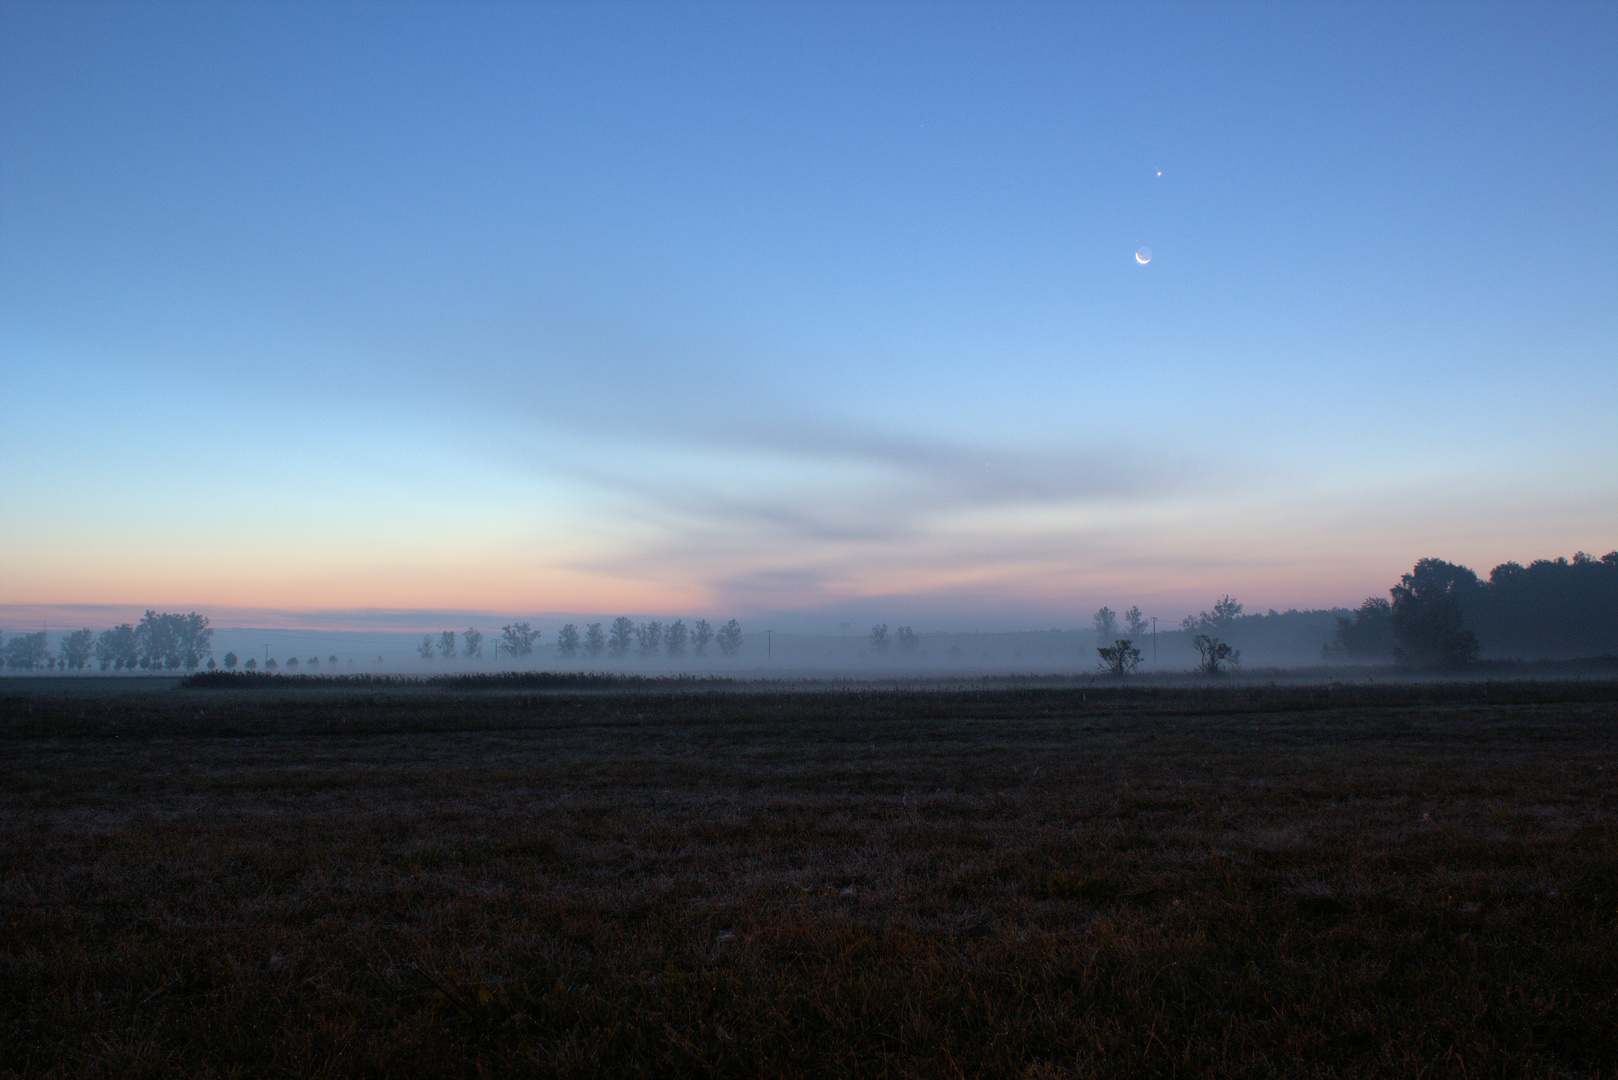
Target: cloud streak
{"x":847,"y":507}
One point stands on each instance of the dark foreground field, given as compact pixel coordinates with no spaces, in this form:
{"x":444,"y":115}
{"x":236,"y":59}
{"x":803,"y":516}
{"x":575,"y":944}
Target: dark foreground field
{"x":1004,"y":882}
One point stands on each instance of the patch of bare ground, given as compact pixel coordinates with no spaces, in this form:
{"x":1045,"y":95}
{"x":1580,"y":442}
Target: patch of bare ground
{"x":1001,"y":882}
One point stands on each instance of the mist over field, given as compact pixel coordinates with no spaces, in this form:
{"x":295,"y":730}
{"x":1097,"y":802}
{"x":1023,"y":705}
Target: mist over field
{"x":1440,"y":617}
{"x":796,"y":314}
{"x":1018,"y":540}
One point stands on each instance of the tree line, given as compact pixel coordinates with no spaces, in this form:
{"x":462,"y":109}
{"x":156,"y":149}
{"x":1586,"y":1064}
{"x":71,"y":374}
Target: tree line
{"x":231,"y":660}
{"x":159,"y":642}
{"x":904,"y":639}
{"x":1439,"y":614}
{"x":618,"y":640}
{"x":167,"y":642}
{"x":1120,"y":655}
{"x":1442,"y":614}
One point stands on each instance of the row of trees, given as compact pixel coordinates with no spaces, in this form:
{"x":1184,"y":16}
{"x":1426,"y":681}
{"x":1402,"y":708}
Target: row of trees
{"x":159,"y":642}
{"x":1121,"y":656}
{"x":1214,"y":657}
{"x":1419,"y":623}
{"x":166,"y":642}
{"x":1442,"y":614}
{"x":904,"y":639}
{"x":231,"y":660}
{"x":652,"y":638}
{"x":1108,"y":628}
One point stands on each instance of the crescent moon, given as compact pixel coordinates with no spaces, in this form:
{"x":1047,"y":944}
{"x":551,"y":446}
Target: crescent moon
{"x":1143,"y":256}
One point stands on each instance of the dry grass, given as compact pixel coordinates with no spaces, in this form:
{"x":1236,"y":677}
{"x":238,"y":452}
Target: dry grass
{"x":1015,"y":882}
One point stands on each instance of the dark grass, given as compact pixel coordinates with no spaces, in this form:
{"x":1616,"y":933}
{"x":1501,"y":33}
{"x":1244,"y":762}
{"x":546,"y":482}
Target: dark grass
{"x":664,"y":880}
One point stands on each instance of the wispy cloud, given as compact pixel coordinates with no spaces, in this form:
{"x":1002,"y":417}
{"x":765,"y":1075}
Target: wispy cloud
{"x":811,"y":511}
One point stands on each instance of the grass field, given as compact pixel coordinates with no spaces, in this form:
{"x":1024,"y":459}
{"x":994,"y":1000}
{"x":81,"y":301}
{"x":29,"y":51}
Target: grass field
{"x":1002,"y":881}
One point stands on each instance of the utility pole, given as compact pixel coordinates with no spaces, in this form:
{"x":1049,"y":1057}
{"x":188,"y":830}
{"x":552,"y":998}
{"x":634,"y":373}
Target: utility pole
{"x":769,"y":643}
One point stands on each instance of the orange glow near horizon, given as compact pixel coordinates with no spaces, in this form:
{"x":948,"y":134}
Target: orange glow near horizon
{"x":1041,"y":566}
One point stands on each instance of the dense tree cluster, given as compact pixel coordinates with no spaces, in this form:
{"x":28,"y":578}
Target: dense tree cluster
{"x":1442,"y":614}
{"x":1221,"y":620}
{"x":1426,"y":616}
{"x":159,"y":642}
{"x":1553,"y":606}
{"x":1365,"y":634}
{"x":28,"y":652}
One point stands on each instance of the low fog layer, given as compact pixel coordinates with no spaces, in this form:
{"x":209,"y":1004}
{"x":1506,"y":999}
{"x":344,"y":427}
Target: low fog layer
{"x":1440,"y":615}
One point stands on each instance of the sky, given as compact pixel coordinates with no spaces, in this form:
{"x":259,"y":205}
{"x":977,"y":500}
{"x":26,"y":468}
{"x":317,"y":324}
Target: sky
{"x":354,"y":314}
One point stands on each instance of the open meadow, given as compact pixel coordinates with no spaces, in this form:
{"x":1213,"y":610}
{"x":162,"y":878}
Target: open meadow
{"x":688,"y":880}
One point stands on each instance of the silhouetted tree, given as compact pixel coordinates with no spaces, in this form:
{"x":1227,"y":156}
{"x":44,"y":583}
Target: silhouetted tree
{"x":425,"y":649}
{"x":76,"y":648}
{"x":1136,"y":622}
{"x":159,"y":641}
{"x":270,"y":664}
{"x":446,"y":644}
{"x":1225,"y":613}
{"x":649,"y":636}
{"x":1119,"y":658}
{"x":26,"y":652}
{"x":567,"y":640}
{"x":1215,"y":655}
{"x":702,"y":634}
{"x":518,"y":639}
{"x":879,"y":638}
{"x":621,"y":637}
{"x":332,"y":659}
{"x":595,"y":639}
{"x":231,"y":660}
{"x":251,"y":665}
{"x":1367,"y":634}
{"x":168,"y":640}
{"x":730,"y":638}
{"x":1106,"y":624}
{"x":292,"y":662}
{"x":676,"y":638}
{"x":314,"y":661}
{"x":472,"y":643}
{"x":1221,"y":620}
{"x":118,"y":648}
{"x":1426,"y":616}
{"x":906,"y":639}
{"x":1550,"y":607}
{"x":196,"y":639}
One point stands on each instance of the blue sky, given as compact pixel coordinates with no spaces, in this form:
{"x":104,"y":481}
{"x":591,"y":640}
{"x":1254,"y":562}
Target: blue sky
{"x":806,"y":311}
